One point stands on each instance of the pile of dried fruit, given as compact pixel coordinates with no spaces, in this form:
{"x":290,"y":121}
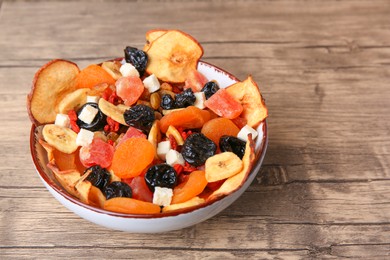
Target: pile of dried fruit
{"x":146,"y":133}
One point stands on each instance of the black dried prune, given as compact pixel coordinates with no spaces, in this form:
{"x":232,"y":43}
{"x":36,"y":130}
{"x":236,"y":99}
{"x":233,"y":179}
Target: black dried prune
{"x":117,"y":189}
{"x":197,"y":148}
{"x":167,"y":102}
{"x":161,"y":175}
{"x":97,"y":123}
{"x":98,"y":176}
{"x":138,"y":58}
{"x":185,"y":98}
{"x":210,"y":88}
{"x":232,"y":144}
{"x":140,"y":116}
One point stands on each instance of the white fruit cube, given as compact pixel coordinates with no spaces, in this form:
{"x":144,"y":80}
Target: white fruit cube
{"x":62,"y":120}
{"x":174,"y":157}
{"x":162,"y":196}
{"x":151,"y":83}
{"x":84,"y":137}
{"x":128,"y":69}
{"x":200,"y":99}
{"x":243,"y":134}
{"x":163,"y":148}
{"x":88,"y":114}
{"x":93,"y":99}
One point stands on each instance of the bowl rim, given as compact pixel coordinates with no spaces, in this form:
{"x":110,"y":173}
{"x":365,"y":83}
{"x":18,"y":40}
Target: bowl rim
{"x":259,"y":155}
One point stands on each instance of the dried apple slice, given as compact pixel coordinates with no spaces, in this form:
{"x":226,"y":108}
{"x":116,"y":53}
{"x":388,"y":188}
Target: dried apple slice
{"x":90,"y":194}
{"x":173,"y":55}
{"x":248,"y":94}
{"x":236,"y":181}
{"x":151,"y":36}
{"x":67,"y":179}
{"x":52,"y":81}
{"x":189,"y":203}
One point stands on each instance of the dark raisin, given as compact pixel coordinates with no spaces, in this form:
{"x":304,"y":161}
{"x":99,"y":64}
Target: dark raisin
{"x":167,"y":102}
{"x":98,"y":122}
{"x":210,"y":88}
{"x":138,"y":58}
{"x":117,"y":189}
{"x":98,"y":176}
{"x":140,"y":116}
{"x":232,"y":144}
{"x":185,"y":98}
{"x":161,"y":175}
{"x":197,"y":148}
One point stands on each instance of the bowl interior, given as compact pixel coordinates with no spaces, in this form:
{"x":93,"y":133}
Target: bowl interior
{"x":211,"y":72}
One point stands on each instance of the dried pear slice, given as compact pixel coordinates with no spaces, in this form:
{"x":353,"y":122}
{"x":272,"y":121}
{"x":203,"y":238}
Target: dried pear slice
{"x":248,"y":94}
{"x":51,"y":82}
{"x":235,"y":182}
{"x":195,"y":201}
{"x":112,"y":111}
{"x":73,"y":100}
{"x":112,"y":67}
{"x":151,"y":36}
{"x":61,"y":138}
{"x":154,"y":136}
{"x":173,"y":55}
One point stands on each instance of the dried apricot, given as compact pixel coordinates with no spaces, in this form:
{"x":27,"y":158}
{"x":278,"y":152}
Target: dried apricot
{"x":189,"y":117}
{"x":215,"y":128}
{"x":132,"y":157}
{"x":191,"y":187}
{"x":93,"y":75}
{"x":130,"y":206}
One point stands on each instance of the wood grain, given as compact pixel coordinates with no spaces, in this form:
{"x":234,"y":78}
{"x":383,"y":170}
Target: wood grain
{"x":324,"y":69}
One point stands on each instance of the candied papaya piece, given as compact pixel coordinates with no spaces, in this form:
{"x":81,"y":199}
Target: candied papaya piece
{"x":132,"y":156}
{"x":190,"y":188}
{"x":130,"y":206}
{"x":189,"y":117}
{"x":92,"y":76}
{"x":224,"y":105}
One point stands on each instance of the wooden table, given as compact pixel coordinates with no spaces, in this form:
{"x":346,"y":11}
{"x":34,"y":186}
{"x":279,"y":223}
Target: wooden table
{"x":324,"y":69}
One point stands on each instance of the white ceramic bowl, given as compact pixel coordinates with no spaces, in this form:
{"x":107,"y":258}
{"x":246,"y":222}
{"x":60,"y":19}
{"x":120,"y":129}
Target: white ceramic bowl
{"x":149,"y":223}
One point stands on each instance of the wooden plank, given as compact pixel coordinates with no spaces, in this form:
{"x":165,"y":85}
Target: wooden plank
{"x":137,"y":253}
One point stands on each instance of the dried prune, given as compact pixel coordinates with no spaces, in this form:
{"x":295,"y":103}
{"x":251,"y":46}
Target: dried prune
{"x":98,"y":176}
{"x":210,"y":88}
{"x":98,"y":122}
{"x":197,"y":148}
{"x":161,"y":175}
{"x":185,"y":98}
{"x":138,"y":58}
{"x":140,"y":116}
{"x":167,"y":102}
{"x":117,"y":189}
{"x":232,"y":144}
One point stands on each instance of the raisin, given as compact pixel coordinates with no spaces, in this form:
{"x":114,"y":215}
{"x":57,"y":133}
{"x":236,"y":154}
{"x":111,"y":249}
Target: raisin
{"x":232,"y":144}
{"x":197,"y":148}
{"x":117,"y":189}
{"x":97,"y":123}
{"x":161,"y":175}
{"x":185,"y":99}
{"x":167,"y":102}
{"x":137,"y":58}
{"x":140,"y":116}
{"x":98,"y":176}
{"x":210,"y":88}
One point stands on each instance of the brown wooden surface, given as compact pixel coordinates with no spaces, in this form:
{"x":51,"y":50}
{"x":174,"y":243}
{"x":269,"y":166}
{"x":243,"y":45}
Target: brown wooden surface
{"x":324,"y":69}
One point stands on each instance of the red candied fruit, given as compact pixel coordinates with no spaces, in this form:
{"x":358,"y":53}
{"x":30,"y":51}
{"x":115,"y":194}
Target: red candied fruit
{"x":97,"y":153}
